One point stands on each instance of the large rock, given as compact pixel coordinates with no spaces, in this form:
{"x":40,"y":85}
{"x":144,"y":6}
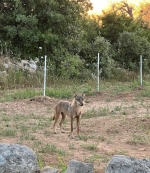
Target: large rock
{"x":75,"y":166}
{"x":124,"y":164}
{"x":16,"y":158}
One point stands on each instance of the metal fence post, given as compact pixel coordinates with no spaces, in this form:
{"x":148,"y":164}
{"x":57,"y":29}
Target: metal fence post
{"x":98,"y":73}
{"x":45,"y":75}
{"x":141,"y":69}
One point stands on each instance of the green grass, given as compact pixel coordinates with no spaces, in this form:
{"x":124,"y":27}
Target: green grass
{"x":120,"y":152}
{"x":59,"y":93}
{"x":10,"y":95}
{"x":92,"y":158}
{"x":66,"y":89}
{"x":118,"y":108}
{"x":71,"y":146}
{"x":139,"y":139}
{"x":83,"y":137}
{"x":96,"y":112}
{"x":8,"y":132}
{"x":52,"y":149}
{"x":92,"y":146}
{"x":62,"y":92}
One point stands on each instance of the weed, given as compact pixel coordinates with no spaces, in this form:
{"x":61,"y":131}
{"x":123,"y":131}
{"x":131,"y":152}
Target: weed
{"x":138,"y":139}
{"x":83,"y":137}
{"x":6,"y":119}
{"x":104,"y":111}
{"x":61,"y":152}
{"x":32,"y":137}
{"x":96,"y":113}
{"x":51,"y":149}
{"x":71,"y":146}
{"x":8,"y":132}
{"x":90,"y":113}
{"x":124,"y":113}
{"x":93,"y":158}
{"x":48,"y":149}
{"x":46,"y":133}
{"x":23,"y":128}
{"x":62,"y":165}
{"x":59,"y":93}
{"x":91,"y":146}
{"x":104,"y":159}
{"x":101,"y":138}
{"x":40,"y":162}
{"x":121,"y":152}
{"x":145,"y":93}
{"x":3,"y":110}
{"x":118,"y":108}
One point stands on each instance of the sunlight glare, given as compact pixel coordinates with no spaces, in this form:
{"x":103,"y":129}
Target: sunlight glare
{"x":99,"y":5}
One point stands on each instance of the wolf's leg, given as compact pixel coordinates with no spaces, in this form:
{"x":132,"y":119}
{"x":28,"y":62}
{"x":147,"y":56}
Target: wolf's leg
{"x":61,"y":122}
{"x":56,"y":116}
{"x":78,"y":124}
{"x":71,"y":133}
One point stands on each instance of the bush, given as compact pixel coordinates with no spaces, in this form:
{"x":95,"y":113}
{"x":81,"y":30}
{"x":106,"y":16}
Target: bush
{"x":130,"y":46}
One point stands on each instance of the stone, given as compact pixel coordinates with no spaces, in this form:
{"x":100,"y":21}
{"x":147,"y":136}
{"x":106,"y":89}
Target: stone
{"x":48,"y":169}
{"x":125,"y":164}
{"x":15,"y":158}
{"x":75,"y":166}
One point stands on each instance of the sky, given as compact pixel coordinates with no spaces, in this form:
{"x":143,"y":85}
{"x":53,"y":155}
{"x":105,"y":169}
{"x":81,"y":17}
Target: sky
{"x":99,"y":5}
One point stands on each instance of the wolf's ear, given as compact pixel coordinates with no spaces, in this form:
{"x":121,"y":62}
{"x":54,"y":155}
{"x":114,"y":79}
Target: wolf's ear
{"x":83,"y":94}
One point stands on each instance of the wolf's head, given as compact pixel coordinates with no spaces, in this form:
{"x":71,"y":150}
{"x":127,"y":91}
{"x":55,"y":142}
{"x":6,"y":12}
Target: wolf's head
{"x":79,"y":99}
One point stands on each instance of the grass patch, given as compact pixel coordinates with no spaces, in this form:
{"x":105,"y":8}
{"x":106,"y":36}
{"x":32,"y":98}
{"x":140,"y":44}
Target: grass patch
{"x":83,"y":137}
{"x":61,"y":164}
{"x":59,"y":93}
{"x":51,"y":149}
{"x":19,"y":94}
{"x":92,"y":158}
{"x":139,"y":139}
{"x":8,"y":132}
{"x":96,"y":113}
{"x":92,"y":146}
{"x":67,"y":89}
{"x":24,"y":94}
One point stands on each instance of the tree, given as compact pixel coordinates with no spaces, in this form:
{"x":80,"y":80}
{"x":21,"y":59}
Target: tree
{"x":130,"y":46}
{"x":54,"y":25}
{"x":19,"y":27}
{"x":124,"y":8}
{"x":143,"y":12}
{"x":113,"y":24}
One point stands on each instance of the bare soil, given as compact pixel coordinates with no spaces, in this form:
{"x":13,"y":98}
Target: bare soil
{"x":122,"y":126}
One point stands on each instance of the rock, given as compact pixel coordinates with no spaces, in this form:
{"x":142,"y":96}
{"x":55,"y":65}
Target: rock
{"x":48,"y":169}
{"x":75,"y":166}
{"x":125,"y":164}
{"x":16,"y":158}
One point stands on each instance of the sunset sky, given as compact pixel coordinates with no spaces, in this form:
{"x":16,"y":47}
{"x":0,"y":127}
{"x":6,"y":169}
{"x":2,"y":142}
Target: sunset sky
{"x":99,"y":5}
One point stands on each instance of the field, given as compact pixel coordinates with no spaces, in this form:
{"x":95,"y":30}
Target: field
{"x":113,"y":123}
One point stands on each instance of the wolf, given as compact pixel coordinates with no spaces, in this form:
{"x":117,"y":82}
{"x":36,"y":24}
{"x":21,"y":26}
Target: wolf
{"x":72,"y":109}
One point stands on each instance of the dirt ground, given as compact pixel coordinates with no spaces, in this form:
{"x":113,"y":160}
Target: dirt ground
{"x":110,"y":125}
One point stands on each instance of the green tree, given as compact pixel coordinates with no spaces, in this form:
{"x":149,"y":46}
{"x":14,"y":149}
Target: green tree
{"x":114,"y":24}
{"x":130,"y":47}
{"x":19,"y":27}
{"x":54,"y":25}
